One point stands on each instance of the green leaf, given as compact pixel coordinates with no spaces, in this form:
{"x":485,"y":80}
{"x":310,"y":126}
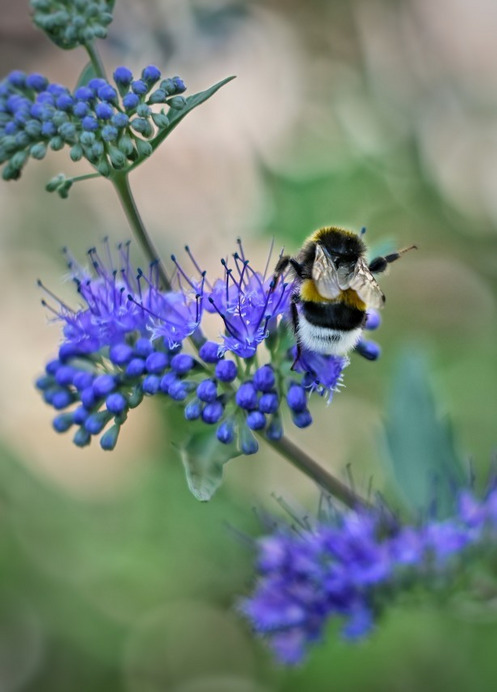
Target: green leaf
{"x":425,"y":462}
{"x":176,"y":115}
{"x":203,"y":458}
{"x":85,"y":76}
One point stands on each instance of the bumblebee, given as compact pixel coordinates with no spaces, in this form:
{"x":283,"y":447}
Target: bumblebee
{"x":334,"y":288}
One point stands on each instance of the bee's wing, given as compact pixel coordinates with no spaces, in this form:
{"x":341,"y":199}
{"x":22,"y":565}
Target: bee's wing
{"x":325,"y":275}
{"x":365,"y":285}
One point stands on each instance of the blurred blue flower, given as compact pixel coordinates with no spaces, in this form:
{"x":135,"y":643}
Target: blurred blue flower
{"x":351,"y":565}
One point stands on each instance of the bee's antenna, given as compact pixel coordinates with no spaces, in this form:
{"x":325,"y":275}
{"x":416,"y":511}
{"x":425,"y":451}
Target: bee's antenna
{"x":406,"y":249}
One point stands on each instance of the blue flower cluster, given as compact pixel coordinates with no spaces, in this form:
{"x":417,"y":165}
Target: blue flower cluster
{"x":130,"y":339}
{"x":350,"y":566}
{"x":108,"y":125}
{"x":71,"y":23}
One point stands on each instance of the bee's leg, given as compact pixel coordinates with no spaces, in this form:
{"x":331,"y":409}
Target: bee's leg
{"x":297,"y":268}
{"x":379,"y":264}
{"x":283,"y":263}
{"x":295,"y":325}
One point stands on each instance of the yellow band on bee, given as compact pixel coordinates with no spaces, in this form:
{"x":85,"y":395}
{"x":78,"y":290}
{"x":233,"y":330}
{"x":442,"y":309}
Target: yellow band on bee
{"x":352,"y":300}
{"x":309,"y":292}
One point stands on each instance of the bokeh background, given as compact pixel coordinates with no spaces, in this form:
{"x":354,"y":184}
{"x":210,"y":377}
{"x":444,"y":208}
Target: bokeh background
{"x":376,"y":113}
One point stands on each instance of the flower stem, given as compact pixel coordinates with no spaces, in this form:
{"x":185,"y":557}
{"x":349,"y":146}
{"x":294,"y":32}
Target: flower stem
{"x":317,"y":473}
{"x":121,"y":186}
{"x":87,"y":176}
{"x":95,"y":60}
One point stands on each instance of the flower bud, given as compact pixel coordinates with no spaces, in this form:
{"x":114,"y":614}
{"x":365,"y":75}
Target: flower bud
{"x":103,"y":385}
{"x":135,"y":367}
{"x":151,"y":75}
{"x":296,"y":398}
{"x":368,"y":349}
{"x":63,"y":422}
{"x":246,"y":396}
{"x":120,"y":354}
{"x":302,"y":419}
{"x":212,"y":412}
{"x":248,"y":443}
{"x":226,"y":370}
{"x":123,"y":78}
{"x":226,"y":431}
{"x":82,"y":437}
{"x":38,"y":151}
{"x":264,"y":379}
{"x":209,"y":352}
{"x":274,"y":431}
{"x":160,"y":120}
{"x":177,"y":102}
{"x":182,"y":363}
{"x":207,"y":390}
{"x":269,"y":402}
{"x":96,"y":422}
{"x":116,"y":403}
{"x":193,"y":409}
{"x":156,"y":362}
{"x":76,"y":152}
{"x":109,"y":439}
{"x":256,"y":420}
{"x":143,"y":148}
{"x":177,"y":390}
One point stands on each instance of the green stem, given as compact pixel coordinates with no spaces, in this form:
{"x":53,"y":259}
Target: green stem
{"x":317,"y":473}
{"x":95,"y":60}
{"x":121,"y":186}
{"x":88,"y":176}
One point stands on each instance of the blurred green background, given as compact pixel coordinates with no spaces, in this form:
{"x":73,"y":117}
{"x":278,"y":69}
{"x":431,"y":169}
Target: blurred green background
{"x":376,"y":113}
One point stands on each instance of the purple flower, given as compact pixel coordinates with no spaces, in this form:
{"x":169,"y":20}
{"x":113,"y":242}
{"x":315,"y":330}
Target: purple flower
{"x":118,"y":344}
{"x":119,"y":301}
{"x":248,"y":303}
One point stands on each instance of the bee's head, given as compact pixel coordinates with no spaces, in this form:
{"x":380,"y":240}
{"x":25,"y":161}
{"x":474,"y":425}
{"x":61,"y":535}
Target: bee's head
{"x":343,"y":248}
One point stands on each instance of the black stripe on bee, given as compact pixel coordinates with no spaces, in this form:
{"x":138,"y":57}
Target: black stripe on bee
{"x":333,"y":315}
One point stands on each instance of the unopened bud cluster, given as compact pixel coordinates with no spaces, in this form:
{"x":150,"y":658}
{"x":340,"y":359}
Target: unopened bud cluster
{"x":72,"y":23}
{"x":109,"y":125}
